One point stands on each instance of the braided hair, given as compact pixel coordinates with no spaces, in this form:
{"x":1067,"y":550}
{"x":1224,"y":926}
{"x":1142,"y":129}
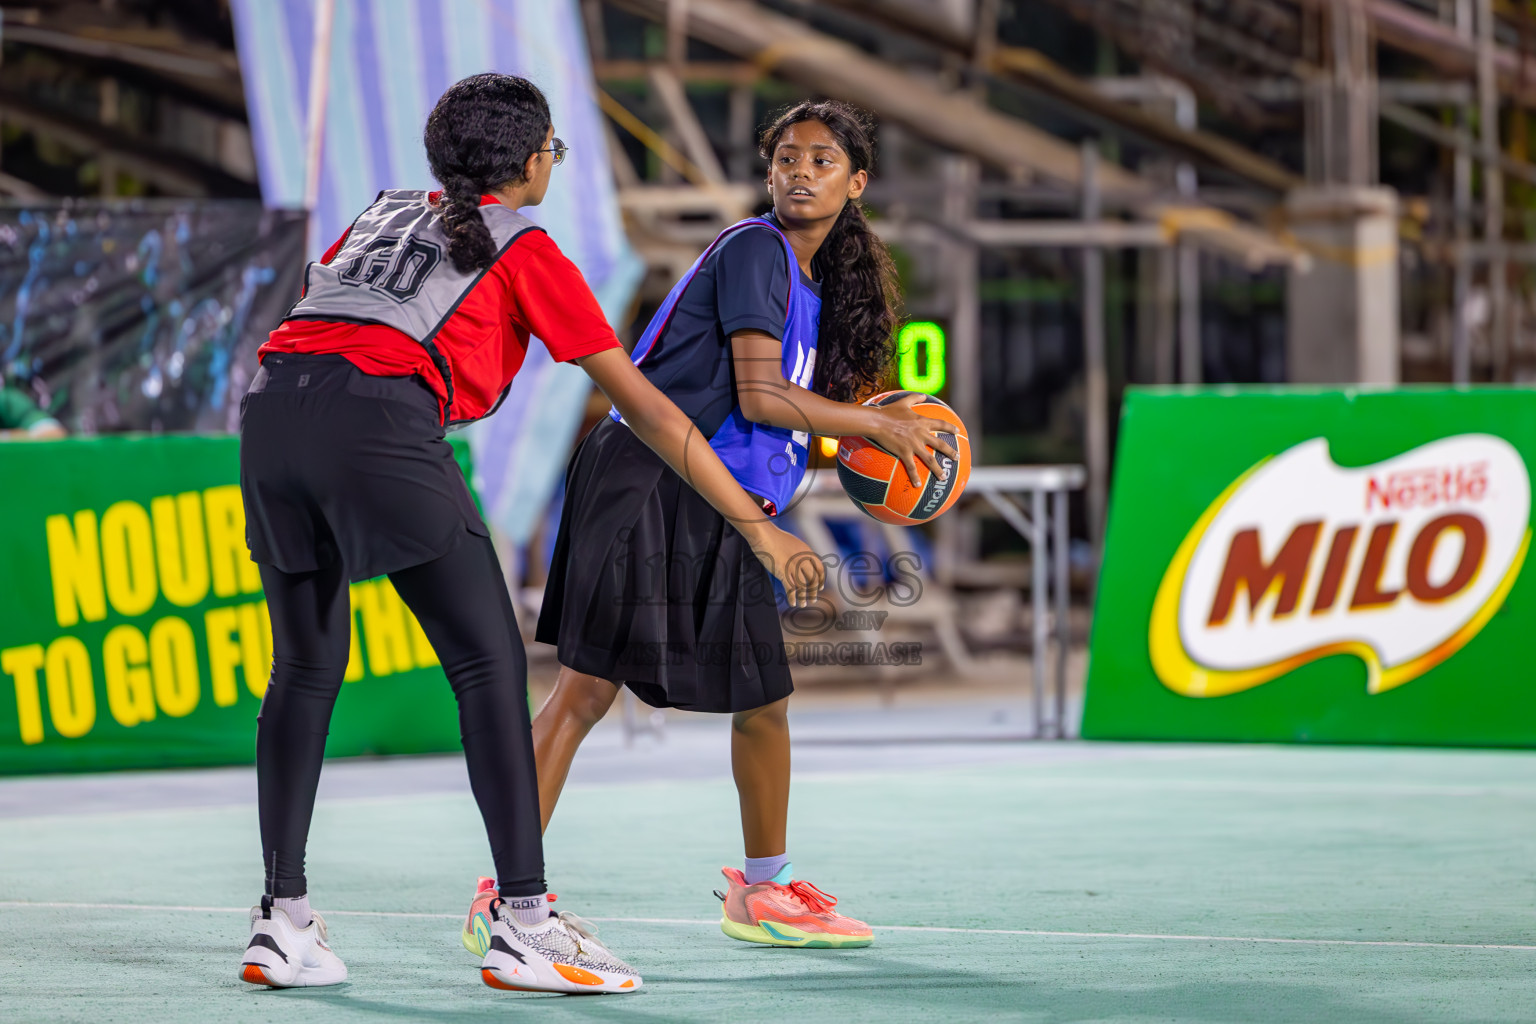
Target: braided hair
{"x":859,"y":291}
{"x":479,"y":138}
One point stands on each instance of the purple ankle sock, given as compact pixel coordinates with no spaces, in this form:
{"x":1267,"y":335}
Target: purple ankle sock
{"x":762,"y":869}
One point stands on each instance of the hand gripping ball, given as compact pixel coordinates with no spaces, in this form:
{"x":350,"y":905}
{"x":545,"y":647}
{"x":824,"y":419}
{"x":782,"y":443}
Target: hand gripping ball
{"x":877,"y":482}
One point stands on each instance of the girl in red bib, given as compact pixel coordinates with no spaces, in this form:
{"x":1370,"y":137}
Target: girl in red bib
{"x":417,"y":319}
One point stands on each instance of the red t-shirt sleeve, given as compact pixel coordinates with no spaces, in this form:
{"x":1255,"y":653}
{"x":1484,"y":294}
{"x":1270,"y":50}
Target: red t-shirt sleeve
{"x":330,"y":253}
{"x":551,"y":299}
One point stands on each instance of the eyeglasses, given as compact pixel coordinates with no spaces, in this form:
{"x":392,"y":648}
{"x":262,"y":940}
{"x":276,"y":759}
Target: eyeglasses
{"x":558,"y":148}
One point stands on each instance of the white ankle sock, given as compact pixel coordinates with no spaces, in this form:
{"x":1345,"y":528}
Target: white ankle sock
{"x":297,"y":909}
{"x":529,"y":910}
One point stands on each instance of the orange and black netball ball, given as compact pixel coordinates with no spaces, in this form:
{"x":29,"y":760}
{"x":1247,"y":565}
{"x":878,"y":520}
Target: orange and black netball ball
{"x":877,"y":482}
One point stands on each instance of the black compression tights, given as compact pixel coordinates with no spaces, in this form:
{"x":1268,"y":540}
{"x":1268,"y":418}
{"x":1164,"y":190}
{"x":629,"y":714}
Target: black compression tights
{"x":463,"y":606}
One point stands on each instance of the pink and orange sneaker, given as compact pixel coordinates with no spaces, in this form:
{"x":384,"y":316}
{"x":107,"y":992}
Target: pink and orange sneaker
{"x":477,"y":926}
{"x":797,"y":914}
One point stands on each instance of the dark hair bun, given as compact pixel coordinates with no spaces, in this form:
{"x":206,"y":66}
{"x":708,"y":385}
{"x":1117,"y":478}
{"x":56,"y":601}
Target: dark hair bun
{"x":478,"y":138}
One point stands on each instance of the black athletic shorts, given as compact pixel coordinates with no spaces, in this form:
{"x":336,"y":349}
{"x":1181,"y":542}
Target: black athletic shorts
{"x":336,"y":464}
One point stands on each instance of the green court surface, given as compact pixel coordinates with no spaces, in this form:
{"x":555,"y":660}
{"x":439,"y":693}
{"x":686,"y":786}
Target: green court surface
{"x":1069,"y":882}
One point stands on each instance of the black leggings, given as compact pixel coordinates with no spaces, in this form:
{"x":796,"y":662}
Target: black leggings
{"x":462,"y":604}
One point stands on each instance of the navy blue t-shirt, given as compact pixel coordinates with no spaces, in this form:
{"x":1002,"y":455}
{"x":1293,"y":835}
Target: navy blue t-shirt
{"x":742,"y":285}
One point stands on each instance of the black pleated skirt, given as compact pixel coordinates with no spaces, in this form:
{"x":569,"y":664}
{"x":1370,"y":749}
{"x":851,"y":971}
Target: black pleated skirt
{"x":651,"y":588}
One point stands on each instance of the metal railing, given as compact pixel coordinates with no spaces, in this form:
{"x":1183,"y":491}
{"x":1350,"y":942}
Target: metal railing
{"x":1041,"y":518}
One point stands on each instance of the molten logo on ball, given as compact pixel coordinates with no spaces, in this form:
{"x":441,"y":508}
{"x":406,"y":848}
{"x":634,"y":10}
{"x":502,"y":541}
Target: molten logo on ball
{"x":877,"y":482}
{"x":1399,"y":564}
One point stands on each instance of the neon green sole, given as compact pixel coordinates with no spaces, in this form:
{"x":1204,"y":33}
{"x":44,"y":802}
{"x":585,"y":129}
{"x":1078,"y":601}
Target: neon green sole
{"x":785,"y":935}
{"x":478,"y":940}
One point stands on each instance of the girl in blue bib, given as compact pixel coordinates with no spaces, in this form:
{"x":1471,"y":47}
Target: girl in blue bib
{"x":774,"y":335}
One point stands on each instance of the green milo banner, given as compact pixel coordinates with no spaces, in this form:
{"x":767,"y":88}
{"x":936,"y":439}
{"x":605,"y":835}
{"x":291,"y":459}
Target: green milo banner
{"x":1345,"y":566}
{"x":132,"y":628}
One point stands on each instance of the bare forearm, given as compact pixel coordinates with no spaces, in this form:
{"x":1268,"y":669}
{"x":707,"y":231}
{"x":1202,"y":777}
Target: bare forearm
{"x":766,"y":395}
{"x":794,"y":408}
{"x":672,"y":435}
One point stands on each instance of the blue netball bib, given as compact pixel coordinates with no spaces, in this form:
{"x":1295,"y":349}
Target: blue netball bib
{"x":768,"y":461}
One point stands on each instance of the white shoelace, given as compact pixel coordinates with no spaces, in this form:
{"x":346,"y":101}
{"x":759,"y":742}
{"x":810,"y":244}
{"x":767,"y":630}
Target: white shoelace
{"x":579,"y":928}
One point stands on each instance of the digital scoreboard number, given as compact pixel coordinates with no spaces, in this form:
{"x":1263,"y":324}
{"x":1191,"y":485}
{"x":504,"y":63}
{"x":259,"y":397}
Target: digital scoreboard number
{"x":920,"y":357}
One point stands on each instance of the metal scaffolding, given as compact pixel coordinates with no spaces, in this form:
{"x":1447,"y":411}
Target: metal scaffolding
{"x":1000,"y":184}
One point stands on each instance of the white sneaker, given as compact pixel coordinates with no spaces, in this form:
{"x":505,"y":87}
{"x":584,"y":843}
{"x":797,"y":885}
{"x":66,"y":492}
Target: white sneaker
{"x":561,"y":955}
{"x":282,"y":956}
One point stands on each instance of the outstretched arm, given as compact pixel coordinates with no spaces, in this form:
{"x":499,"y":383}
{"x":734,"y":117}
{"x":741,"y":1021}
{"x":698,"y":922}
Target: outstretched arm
{"x":551,"y":299}
{"x":672,"y":435}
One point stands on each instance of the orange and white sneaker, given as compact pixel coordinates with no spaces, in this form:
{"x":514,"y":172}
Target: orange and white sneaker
{"x":476,"y":935}
{"x":797,"y":914}
{"x":563,"y":954}
{"x":282,"y":956}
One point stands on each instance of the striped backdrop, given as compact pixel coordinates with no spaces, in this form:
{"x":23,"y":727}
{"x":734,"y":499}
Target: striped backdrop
{"x":390,"y":61}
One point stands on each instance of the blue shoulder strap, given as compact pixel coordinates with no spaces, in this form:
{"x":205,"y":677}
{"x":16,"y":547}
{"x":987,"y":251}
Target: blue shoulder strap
{"x":663,"y":317}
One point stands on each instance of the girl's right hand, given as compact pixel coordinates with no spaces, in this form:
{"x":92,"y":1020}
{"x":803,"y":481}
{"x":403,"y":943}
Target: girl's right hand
{"x":793,"y":562}
{"x":911,"y":436}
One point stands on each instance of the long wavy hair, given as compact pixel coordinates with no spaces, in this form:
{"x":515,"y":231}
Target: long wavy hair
{"x":859,"y":292}
{"x":479,"y":138}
